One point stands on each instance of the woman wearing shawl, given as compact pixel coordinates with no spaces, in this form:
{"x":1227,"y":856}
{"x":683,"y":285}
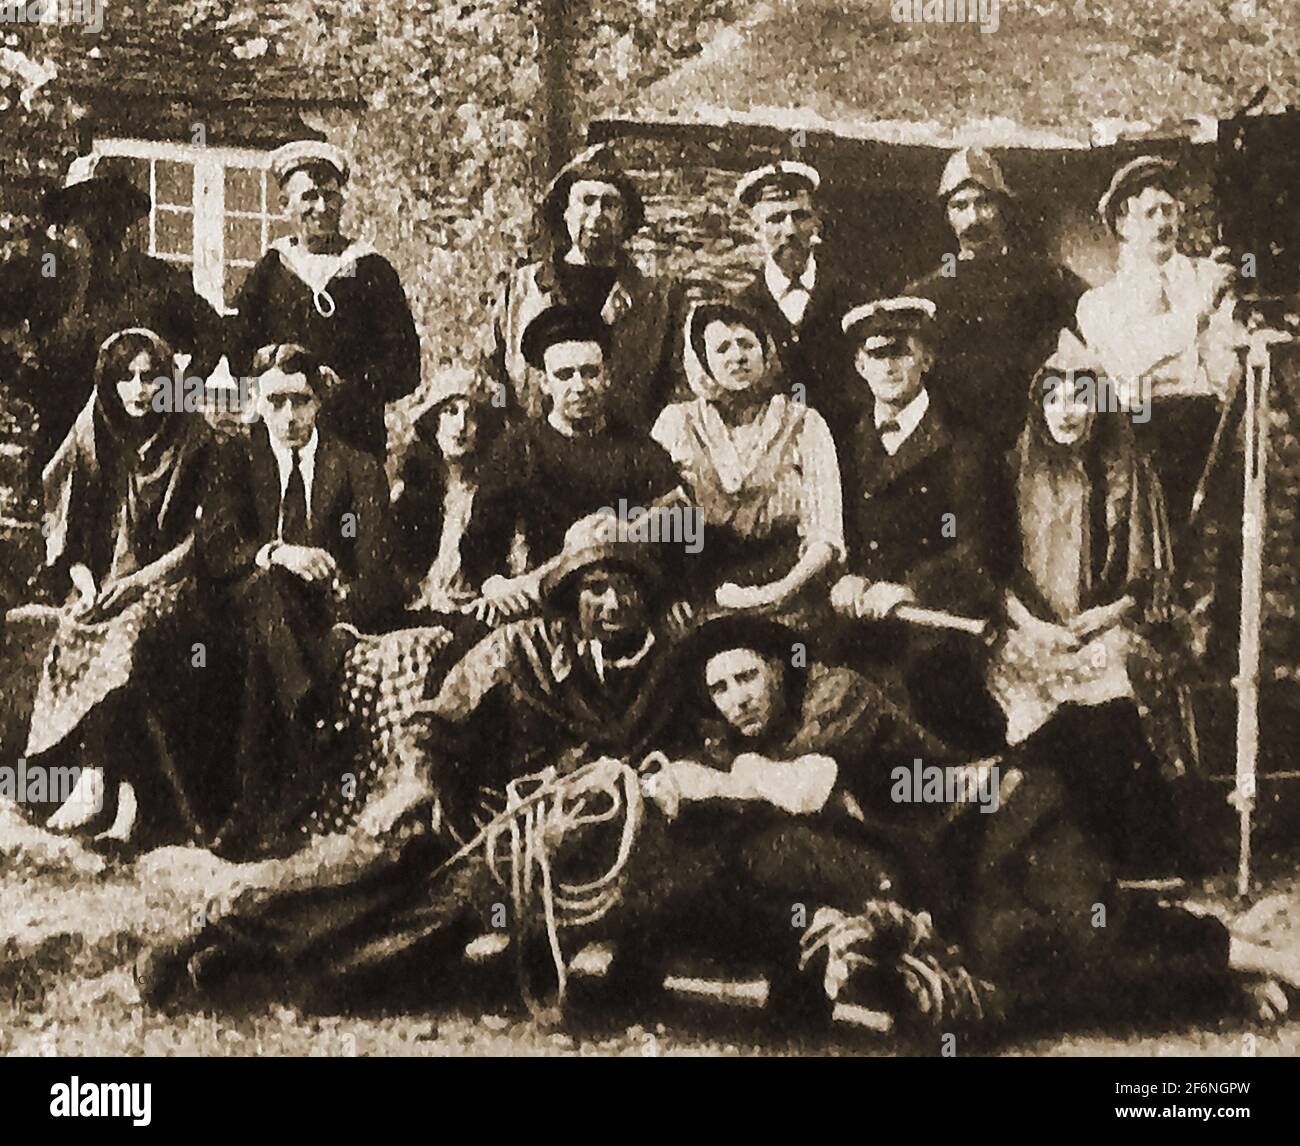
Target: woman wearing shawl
{"x":1089,"y":605}
{"x":761,"y":465}
{"x":122,"y":497}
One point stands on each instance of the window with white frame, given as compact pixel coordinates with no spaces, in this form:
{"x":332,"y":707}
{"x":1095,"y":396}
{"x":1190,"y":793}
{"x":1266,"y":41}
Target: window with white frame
{"x":214,"y":209}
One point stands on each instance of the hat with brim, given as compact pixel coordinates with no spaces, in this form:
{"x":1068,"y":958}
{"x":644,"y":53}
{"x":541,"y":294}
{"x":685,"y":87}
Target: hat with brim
{"x":93,"y":189}
{"x":972,"y":167}
{"x":1132,"y":179}
{"x":307,"y":153}
{"x":887,"y":323}
{"x":777,"y":182}
{"x":768,"y":637}
{"x":561,"y":324}
{"x":587,"y":553}
{"x":599,"y":165}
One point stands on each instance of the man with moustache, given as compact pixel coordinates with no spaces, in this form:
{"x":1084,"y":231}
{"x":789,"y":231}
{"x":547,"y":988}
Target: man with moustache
{"x":999,"y":306}
{"x":589,"y":212}
{"x":795,"y":292}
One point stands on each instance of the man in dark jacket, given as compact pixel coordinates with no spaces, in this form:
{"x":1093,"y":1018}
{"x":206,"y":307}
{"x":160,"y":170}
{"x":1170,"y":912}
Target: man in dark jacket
{"x":916,"y":486}
{"x":339,"y":298}
{"x":101,"y":285}
{"x":798,"y":296}
{"x":291,"y":542}
{"x":1000,"y":306}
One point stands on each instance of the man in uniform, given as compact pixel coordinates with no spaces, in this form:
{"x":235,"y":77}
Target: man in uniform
{"x":795,"y":293}
{"x":917,"y":525}
{"x":999,"y":306}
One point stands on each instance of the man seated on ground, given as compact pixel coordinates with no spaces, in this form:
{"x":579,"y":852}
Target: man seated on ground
{"x":291,"y":542}
{"x":778,"y":839}
{"x":549,"y":473}
{"x":594,"y":678}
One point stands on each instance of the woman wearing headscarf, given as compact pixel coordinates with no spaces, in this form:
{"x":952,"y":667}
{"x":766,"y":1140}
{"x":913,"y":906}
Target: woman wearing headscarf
{"x":1090,"y":638}
{"x":122,"y":500}
{"x":760,"y":465}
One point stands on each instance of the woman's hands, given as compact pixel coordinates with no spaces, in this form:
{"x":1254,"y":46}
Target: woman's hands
{"x":503,"y":598}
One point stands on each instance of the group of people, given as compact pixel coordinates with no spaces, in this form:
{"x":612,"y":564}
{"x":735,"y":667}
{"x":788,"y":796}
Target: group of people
{"x":746,"y":556}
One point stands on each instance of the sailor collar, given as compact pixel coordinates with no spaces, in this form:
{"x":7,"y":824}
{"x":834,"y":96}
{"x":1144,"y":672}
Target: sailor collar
{"x":318,"y":271}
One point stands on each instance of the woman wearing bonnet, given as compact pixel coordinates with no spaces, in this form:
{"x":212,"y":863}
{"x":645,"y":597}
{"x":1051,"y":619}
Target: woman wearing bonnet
{"x":760,"y":466}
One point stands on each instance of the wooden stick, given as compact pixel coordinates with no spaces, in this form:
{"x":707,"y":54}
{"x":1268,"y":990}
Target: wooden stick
{"x":1255,"y":425}
{"x":939,"y":619}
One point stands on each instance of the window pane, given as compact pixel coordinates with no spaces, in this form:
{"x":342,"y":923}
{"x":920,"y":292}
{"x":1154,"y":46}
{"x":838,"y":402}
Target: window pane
{"x":235,"y":277}
{"x":280,"y":228}
{"x":174,"y":233}
{"x":243,"y":189}
{"x":243,"y":239}
{"x":175,"y":183}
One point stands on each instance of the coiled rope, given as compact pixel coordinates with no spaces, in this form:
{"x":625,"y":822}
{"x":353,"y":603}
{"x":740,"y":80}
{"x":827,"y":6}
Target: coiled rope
{"x":527,"y":835}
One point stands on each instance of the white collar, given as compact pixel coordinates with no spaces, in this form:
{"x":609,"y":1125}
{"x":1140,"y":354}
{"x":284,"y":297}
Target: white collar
{"x":318,"y":271}
{"x":908,"y":418}
{"x":306,"y":458}
{"x":596,"y":650}
{"x":780,"y":284}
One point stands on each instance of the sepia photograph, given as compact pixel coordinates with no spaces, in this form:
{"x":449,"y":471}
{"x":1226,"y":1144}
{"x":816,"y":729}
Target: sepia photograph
{"x":649,"y":529}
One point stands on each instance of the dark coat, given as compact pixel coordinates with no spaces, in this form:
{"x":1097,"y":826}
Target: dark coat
{"x":896,"y":515}
{"x":996,"y":322}
{"x":242,"y":509}
{"x":896,"y":512}
{"x":370,"y":340}
{"x":275,"y":657}
{"x":816,"y":354}
{"x":138,"y":290}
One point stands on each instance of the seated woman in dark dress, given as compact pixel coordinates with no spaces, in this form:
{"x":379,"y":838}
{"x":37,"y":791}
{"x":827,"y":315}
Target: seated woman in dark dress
{"x":122,"y":496}
{"x":436,"y":496}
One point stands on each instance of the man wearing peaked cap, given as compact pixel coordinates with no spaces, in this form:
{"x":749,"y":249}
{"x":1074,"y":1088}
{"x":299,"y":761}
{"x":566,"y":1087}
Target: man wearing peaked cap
{"x":1000,"y":303}
{"x":916,"y":488}
{"x":1164,"y":326}
{"x":588,"y":214}
{"x":798,"y":295}
{"x":339,"y":298}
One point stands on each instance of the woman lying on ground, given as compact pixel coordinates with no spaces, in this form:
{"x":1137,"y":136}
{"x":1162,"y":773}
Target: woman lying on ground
{"x":121,"y":503}
{"x":759,"y":463}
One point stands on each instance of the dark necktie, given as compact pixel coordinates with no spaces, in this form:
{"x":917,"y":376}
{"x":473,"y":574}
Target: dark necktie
{"x":293,"y":520}
{"x":890,"y":426}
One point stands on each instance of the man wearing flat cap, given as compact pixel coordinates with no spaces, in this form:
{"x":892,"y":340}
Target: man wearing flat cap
{"x":546,"y":473}
{"x":1000,"y":305}
{"x":798,"y":295}
{"x":1164,"y":314}
{"x":337,"y":297}
{"x":589,"y":212}
{"x":103,"y":283}
{"x":917,"y":525}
